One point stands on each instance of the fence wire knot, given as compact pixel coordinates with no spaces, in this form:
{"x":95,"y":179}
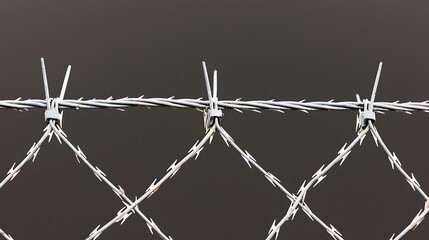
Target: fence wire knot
{"x":52,"y":112}
{"x":368,"y":113}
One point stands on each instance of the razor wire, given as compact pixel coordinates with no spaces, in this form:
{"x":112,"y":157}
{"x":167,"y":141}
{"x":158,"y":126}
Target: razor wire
{"x":213,"y":112}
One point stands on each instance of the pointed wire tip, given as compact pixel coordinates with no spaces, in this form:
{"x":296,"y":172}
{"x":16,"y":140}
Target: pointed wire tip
{"x":45,"y":78}
{"x":68,"y":68}
{"x":215,"y":84}
{"x":380,"y":65}
{"x":65,"y":82}
{"x":374,"y":90}
{"x":207,"y":81}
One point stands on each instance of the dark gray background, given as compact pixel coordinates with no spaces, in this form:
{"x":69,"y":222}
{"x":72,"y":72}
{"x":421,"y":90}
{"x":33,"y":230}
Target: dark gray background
{"x":286,"y":50}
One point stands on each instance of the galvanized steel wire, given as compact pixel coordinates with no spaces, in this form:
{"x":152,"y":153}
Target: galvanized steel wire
{"x":238,"y":105}
{"x":213,"y":110}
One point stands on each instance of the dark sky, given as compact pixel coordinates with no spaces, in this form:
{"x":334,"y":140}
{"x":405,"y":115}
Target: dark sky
{"x":284,"y":50}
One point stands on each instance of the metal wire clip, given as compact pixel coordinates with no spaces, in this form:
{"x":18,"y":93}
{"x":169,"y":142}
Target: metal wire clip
{"x":213,"y":111}
{"x":52,"y":112}
{"x":368,"y":113}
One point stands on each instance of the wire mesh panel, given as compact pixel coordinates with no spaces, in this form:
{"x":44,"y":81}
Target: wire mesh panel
{"x":213,"y":110}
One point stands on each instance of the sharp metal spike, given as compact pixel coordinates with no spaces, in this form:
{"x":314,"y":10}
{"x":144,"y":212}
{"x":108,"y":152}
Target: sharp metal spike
{"x":35,"y":154}
{"x":318,"y":171}
{"x":66,"y":79}
{"x":209,"y":91}
{"x":319,"y":179}
{"x":45,"y":79}
{"x":94,"y":233}
{"x":374,"y":90}
{"x":358,"y":99}
{"x":274,"y":228}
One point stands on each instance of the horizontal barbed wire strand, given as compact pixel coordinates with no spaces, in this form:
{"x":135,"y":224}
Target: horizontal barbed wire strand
{"x":238,"y":105}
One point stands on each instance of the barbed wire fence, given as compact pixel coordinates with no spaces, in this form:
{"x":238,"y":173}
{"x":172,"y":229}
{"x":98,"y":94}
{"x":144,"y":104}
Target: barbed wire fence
{"x":213,"y":111}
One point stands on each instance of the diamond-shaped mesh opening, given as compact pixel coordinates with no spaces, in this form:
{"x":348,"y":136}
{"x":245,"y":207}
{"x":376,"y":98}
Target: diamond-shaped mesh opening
{"x":288,"y":142}
{"x":136,"y":146}
{"x":217,"y":195}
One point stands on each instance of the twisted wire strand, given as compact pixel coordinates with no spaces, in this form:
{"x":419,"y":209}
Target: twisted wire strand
{"x":171,"y":171}
{"x":251,"y":161}
{"x":200,"y":104}
{"x":103,"y":178}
